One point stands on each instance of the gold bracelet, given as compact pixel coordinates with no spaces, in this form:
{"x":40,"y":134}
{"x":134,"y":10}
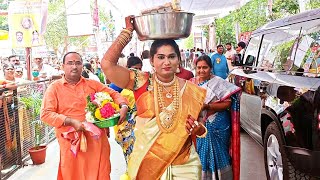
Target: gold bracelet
{"x":204,"y":134}
{"x":127,"y":31}
{"x":128,"y":36}
{"x":124,"y":37}
{"x":121,"y":43}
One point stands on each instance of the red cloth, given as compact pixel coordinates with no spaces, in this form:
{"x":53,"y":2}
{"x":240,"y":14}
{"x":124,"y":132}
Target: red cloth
{"x":185,"y":74}
{"x":76,"y":137}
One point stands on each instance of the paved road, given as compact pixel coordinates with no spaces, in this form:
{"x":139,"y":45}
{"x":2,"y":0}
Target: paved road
{"x":252,"y":166}
{"x":252,"y":161}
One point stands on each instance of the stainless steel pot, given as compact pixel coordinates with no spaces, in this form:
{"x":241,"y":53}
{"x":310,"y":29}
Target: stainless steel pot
{"x":168,"y":25}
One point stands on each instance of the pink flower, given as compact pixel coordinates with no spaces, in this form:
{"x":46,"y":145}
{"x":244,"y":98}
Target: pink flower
{"x":107,"y":111}
{"x":92,"y":97}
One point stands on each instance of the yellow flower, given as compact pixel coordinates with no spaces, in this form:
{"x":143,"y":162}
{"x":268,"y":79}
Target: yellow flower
{"x":97,"y":114}
{"x":104,"y":102}
{"x":115,"y":106}
{"x":124,"y":177}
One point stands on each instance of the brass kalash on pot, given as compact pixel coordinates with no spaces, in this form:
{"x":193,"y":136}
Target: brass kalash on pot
{"x":163,"y":22}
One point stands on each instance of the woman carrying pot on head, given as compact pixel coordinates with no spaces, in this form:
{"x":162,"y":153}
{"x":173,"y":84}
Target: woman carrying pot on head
{"x":167,"y":111}
{"x":222,"y":98}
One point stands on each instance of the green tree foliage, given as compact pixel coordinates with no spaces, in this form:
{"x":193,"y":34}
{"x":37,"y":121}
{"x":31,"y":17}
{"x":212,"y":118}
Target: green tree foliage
{"x":4,"y":23}
{"x":57,"y":32}
{"x":313,"y":4}
{"x":225,"y":31}
{"x":56,"y":25}
{"x":188,"y":43}
{"x":252,"y":16}
{"x":4,"y":19}
{"x":283,"y":8}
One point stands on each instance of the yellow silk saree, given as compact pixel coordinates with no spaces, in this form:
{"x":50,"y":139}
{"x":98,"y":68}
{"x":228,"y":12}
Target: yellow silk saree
{"x":161,"y":153}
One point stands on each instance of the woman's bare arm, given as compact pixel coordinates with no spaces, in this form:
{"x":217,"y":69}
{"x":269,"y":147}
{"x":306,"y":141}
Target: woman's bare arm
{"x":117,"y":74}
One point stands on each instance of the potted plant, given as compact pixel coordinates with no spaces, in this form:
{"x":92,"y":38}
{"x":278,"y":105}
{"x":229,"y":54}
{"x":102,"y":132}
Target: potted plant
{"x":33,"y":104}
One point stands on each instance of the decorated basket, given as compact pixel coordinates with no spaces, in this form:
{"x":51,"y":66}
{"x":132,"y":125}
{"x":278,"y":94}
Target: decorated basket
{"x":108,"y":122}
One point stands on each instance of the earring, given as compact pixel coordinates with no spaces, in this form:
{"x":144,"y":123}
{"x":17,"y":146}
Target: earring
{"x":178,"y":70}
{"x":154,"y":69}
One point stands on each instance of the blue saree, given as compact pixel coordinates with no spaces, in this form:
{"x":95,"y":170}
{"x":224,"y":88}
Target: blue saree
{"x":214,"y":148}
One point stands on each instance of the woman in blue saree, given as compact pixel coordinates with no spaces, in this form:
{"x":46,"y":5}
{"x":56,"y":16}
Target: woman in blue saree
{"x":221,"y":99}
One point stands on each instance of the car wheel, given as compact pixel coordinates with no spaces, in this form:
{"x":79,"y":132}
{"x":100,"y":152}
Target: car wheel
{"x":277,"y":164}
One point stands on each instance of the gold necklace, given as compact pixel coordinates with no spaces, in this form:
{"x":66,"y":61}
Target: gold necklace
{"x":168,"y":94}
{"x":163,"y":83}
{"x":168,"y":120}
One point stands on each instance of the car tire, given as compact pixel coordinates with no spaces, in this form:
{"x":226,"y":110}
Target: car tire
{"x":277,"y":164}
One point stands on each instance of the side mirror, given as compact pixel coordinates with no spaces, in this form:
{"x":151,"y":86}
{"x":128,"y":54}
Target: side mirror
{"x":250,"y":60}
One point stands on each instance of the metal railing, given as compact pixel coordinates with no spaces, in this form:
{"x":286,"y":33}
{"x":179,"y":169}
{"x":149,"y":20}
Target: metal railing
{"x":19,"y":112}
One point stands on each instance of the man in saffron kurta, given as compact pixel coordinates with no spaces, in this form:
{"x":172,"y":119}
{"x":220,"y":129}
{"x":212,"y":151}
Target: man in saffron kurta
{"x":64,"y":107}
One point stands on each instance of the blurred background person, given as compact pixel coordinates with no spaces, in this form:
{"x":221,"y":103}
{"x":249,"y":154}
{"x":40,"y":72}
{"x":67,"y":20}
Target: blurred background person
{"x":35,"y":73}
{"x":219,"y":63}
{"x":230,"y":52}
{"x":58,"y":68}
{"x":146,"y":65}
{"x":45,"y":71}
{"x":87,"y":72}
{"x":122,"y":60}
{"x":134,"y":63}
{"x":18,"y":72}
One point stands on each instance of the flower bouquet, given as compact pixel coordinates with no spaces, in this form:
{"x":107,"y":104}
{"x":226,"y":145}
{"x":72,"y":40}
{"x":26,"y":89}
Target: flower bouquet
{"x":101,"y":110}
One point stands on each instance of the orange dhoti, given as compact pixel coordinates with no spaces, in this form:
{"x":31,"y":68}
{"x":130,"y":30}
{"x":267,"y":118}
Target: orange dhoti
{"x":93,"y":164}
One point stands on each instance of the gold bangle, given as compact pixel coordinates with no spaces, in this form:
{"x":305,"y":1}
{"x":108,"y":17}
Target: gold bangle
{"x":128,"y":36}
{"x":204,"y":134}
{"x":127,"y":31}
{"x":121,"y":42}
{"x":125,"y":36}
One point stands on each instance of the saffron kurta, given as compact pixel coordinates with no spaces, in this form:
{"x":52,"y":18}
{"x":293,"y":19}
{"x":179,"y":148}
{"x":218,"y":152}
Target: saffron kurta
{"x":63,"y":100}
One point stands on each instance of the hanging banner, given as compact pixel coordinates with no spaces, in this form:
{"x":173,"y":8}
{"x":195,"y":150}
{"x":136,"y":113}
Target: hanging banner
{"x":79,"y":19}
{"x":4,"y":35}
{"x":25,"y":23}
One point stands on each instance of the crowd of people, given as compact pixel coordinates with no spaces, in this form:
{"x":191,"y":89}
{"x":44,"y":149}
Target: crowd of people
{"x":180,"y":125}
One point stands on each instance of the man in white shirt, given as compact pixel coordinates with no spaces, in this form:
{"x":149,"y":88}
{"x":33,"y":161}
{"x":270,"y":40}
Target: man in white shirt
{"x":45,"y":71}
{"x":146,"y":65}
{"x":230,"y":52}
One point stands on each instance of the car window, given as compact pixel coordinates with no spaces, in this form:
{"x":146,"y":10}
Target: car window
{"x":278,"y":49}
{"x":308,"y":53}
{"x":252,"y":49}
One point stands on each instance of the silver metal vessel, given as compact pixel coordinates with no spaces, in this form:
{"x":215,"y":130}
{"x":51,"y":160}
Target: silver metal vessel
{"x":167,"y":25}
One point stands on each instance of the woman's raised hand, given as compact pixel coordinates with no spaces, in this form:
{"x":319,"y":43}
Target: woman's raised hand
{"x":129,"y":22}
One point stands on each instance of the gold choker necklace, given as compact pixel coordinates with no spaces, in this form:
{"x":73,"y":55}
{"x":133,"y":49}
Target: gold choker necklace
{"x":163,"y":83}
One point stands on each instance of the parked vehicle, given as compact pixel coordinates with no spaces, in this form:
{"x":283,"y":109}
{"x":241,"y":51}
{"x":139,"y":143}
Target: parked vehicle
{"x":280,"y":78}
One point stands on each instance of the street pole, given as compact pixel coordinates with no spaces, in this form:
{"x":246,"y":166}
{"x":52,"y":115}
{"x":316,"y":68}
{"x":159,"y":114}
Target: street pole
{"x":28,"y":62}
